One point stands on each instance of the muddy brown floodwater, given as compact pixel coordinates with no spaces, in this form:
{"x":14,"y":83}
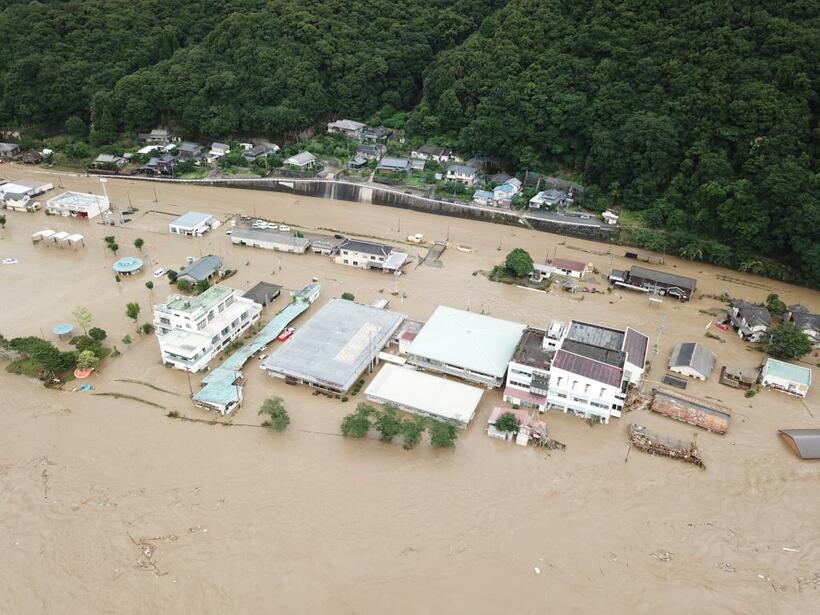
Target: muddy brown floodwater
{"x":107,"y":506}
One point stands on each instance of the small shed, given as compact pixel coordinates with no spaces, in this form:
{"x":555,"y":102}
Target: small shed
{"x":692,"y":360}
{"x":264,"y":293}
{"x":738,"y":378}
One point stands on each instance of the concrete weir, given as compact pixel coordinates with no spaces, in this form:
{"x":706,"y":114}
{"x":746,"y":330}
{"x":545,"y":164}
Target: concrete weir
{"x":376,"y":194}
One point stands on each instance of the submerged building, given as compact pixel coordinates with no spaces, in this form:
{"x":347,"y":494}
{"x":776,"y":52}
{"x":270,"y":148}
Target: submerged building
{"x":192,"y":330}
{"x":471,"y":346}
{"x":335,"y":347}
{"x":580,"y":368}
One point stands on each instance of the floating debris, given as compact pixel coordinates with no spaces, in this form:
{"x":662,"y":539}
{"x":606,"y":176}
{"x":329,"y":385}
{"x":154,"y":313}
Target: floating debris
{"x":655,"y":444}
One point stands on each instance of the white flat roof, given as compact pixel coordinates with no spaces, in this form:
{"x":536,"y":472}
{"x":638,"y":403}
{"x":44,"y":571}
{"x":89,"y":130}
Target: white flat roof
{"x":468,"y":340}
{"x":79,"y":200}
{"x":11,"y":188}
{"x":417,"y":391}
{"x":191,"y":219}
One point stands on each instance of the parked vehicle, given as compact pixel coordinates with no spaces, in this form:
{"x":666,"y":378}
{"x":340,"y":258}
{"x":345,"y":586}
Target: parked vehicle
{"x":284,"y":227}
{"x":160,"y":272}
{"x":285,"y":335}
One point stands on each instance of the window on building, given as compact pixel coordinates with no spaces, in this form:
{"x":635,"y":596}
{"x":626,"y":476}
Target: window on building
{"x":165,"y":321}
{"x":558,"y":383}
{"x":229,"y":301}
{"x":586,"y":388}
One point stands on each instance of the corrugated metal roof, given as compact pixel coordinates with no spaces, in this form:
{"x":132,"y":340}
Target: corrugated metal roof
{"x":588,"y":368}
{"x":571,"y":265}
{"x":635,"y":345}
{"x":804,"y":442}
{"x":191,"y":219}
{"x":694,"y":355}
{"x":468,"y":340}
{"x":663,"y":277}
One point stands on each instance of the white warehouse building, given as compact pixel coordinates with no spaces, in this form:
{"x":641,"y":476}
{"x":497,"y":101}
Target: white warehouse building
{"x":193,"y":330}
{"x":192,"y":223}
{"x":78,"y":205}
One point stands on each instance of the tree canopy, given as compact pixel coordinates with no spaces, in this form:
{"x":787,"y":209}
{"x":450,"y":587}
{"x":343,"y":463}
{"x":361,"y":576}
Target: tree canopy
{"x":699,"y":117}
{"x":789,"y":342}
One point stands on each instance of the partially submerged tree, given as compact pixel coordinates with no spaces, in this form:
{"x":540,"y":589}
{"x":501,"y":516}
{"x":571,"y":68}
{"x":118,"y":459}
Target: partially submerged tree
{"x":412,"y":430}
{"x":185,"y":285}
{"x":775,"y":304}
{"x":132,"y":310}
{"x":518,"y":263}
{"x":87,"y":360}
{"x":138,"y":243}
{"x":358,"y":423}
{"x":388,"y":423}
{"x":277,"y":417}
{"x":82,"y":315}
{"x":442,"y":435}
{"x":127,"y":340}
{"x":507,"y":422}
{"x":97,"y":334}
{"x":789,"y":342}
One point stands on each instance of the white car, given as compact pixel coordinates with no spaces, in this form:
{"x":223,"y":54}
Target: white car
{"x":262,"y":357}
{"x":160,"y":272}
{"x":9,"y":261}
{"x":284,"y":227}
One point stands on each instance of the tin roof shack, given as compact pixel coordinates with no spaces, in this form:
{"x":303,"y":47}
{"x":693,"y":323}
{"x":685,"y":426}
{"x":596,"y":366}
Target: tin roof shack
{"x":791,"y":379}
{"x":425,"y":395}
{"x":804,"y":442}
{"x":738,"y":378}
{"x":692,"y":359}
{"x":335,"y":347}
{"x":652,"y":281}
{"x":693,"y":410}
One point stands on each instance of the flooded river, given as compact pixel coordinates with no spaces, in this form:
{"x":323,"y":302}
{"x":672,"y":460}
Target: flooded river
{"x":108,"y":506}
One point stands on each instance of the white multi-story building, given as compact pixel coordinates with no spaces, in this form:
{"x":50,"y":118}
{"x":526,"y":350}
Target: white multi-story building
{"x":580,"y":368}
{"x":528,"y":373}
{"x":192,"y":330}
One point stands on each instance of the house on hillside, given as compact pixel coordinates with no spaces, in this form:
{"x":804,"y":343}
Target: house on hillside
{"x":549,"y":199}
{"x":302,"y":160}
{"x":375,"y":151}
{"x":109,"y":161}
{"x":462,"y":174}
{"x":393,"y":165}
{"x":434,"y":153}
{"x":692,"y":360}
{"x":349,"y":128}
{"x":158,"y":136}
{"x":260,"y":151}
{"x":217,"y":151}
{"x":32,"y":156}
{"x":752,"y":322}
{"x":189,"y":150}
{"x":9,"y":151}
{"x":376,"y":134}
{"x":161,"y":165}
{"x":807,"y":322}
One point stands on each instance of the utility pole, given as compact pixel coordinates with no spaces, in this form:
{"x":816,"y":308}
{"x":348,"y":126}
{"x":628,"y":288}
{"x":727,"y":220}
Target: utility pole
{"x":156,"y":200}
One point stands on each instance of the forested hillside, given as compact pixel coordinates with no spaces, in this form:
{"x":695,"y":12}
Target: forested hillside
{"x":700,"y":116}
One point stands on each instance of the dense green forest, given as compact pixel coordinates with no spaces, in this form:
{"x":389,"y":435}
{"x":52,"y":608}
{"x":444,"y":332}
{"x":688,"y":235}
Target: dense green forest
{"x":701,"y":117}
